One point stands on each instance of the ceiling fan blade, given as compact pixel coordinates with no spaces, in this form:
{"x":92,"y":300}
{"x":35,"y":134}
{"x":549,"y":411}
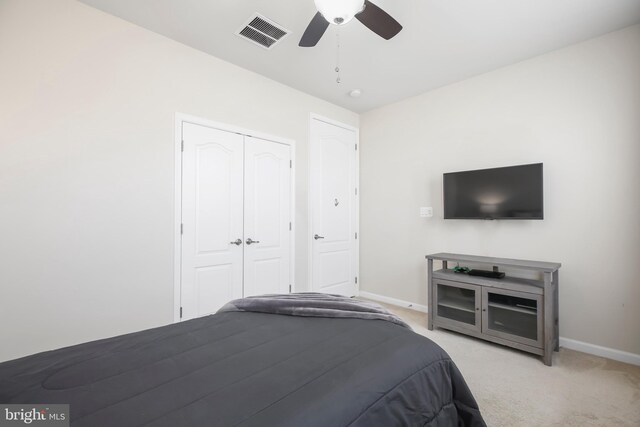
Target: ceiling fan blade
{"x":314,"y":31}
{"x":378,"y":21}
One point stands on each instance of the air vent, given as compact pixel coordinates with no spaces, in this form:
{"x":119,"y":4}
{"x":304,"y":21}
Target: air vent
{"x":261,"y":31}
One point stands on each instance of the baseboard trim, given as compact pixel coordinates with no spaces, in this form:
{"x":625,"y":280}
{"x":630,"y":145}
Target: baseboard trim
{"x":598,"y":350}
{"x":393,"y":301}
{"x":584,"y":347}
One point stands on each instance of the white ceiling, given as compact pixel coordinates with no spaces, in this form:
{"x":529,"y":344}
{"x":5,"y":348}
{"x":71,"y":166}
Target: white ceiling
{"x":443,"y":41}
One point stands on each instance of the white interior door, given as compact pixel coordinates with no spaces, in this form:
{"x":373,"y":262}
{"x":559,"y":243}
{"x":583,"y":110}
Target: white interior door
{"x":333,"y":209}
{"x":267,"y":208}
{"x":212,"y":211}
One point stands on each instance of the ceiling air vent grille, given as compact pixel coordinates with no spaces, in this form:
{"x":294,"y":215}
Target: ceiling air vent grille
{"x":261,"y":31}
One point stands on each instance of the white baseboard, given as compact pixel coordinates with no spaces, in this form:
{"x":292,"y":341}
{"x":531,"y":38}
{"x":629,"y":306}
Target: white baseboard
{"x":597,"y":350}
{"x":584,"y":347}
{"x":393,"y":301}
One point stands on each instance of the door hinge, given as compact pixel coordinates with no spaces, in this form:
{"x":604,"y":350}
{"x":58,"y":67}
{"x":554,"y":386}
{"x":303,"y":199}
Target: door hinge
{"x":182,"y":145}
{"x":356,"y":280}
{"x":181,"y":228}
{"x":181,"y":312}
{"x":290,"y":164}
{"x":356,"y":191}
{"x":289,"y":225}
{"x":356,"y":147}
{"x":356,"y":235}
{"x":289,"y":288}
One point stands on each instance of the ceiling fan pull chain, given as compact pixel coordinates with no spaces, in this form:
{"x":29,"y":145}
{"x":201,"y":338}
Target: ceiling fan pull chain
{"x":338,"y":55}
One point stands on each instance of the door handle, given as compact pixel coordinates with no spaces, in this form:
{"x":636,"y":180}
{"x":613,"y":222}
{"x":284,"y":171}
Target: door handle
{"x":249,"y":241}
{"x":236,"y":242}
{"x":318,"y":237}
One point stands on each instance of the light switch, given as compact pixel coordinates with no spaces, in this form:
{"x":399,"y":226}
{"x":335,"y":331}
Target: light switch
{"x":426,"y":212}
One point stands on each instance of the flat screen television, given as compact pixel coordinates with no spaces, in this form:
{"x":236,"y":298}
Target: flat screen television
{"x":513,"y":192}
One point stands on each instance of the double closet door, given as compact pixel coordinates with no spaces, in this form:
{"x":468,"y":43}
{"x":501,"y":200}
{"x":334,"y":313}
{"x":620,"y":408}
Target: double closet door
{"x":236,"y":224}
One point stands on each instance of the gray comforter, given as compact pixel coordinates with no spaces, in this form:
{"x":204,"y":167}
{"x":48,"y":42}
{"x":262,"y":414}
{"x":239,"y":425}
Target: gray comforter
{"x":243,"y":368}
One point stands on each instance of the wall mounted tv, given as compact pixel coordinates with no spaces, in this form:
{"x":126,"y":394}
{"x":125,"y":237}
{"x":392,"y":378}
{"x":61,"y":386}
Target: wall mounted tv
{"x":513,"y":192}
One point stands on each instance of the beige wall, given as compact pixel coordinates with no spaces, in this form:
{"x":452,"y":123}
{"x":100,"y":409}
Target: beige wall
{"x":578,"y":111}
{"x":87,"y":104}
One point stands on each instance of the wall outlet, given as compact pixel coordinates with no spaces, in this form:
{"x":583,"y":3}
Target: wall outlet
{"x":426,"y":212}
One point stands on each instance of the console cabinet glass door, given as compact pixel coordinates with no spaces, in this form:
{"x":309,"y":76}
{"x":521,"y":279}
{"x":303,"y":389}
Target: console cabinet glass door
{"x":512,"y":315}
{"x":457,"y":304}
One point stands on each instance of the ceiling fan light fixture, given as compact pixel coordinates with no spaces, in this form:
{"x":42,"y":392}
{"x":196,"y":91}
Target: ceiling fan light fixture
{"x":339,"y":12}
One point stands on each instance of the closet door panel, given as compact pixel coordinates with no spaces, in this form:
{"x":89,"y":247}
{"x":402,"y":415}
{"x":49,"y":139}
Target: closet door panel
{"x":267,"y":207}
{"x":212,"y":209}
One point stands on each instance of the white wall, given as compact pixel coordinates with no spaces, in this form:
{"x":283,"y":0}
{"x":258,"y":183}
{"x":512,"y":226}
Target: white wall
{"x":578,"y":111}
{"x":87,"y":104}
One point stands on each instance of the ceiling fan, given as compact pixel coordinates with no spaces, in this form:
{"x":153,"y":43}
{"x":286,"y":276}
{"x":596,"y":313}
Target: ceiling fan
{"x":339,"y":12}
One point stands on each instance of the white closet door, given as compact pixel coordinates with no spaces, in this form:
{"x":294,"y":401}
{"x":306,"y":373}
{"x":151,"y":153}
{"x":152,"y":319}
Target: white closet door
{"x":267,"y":198}
{"x":212,"y":188}
{"x":333,"y":204}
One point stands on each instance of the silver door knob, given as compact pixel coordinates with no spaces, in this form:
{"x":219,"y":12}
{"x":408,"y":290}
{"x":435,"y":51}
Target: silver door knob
{"x":236,"y":242}
{"x":249,"y":241}
{"x":318,"y":237}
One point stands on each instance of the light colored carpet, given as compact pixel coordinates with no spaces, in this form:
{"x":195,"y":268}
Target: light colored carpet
{"x":514,"y":388}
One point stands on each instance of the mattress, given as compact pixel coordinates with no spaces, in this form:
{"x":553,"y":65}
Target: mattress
{"x":250,"y":369}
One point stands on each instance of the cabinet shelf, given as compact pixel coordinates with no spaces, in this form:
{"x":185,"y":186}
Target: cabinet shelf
{"x":524,"y":310}
{"x":508,"y":282}
{"x":456,"y":305}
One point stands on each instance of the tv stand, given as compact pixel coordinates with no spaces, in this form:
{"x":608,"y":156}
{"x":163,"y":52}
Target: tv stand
{"x":512,"y":311}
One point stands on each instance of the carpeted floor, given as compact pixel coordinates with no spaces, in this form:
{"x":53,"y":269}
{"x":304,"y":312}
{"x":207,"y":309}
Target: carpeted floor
{"x":514,"y":388}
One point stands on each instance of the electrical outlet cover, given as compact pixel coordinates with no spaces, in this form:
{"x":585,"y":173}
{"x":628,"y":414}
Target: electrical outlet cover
{"x":426,"y":212}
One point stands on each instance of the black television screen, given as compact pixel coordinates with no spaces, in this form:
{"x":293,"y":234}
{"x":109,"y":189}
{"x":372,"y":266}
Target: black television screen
{"x":513,"y":192}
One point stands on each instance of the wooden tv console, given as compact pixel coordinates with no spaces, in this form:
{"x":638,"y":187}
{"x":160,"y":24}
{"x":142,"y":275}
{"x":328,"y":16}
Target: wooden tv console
{"x":517,"y":312}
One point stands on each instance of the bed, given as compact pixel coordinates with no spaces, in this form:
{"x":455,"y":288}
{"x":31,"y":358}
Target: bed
{"x":253,"y":366}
